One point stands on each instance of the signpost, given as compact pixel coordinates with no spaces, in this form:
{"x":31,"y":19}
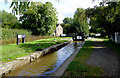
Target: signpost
{"x":20,"y":36}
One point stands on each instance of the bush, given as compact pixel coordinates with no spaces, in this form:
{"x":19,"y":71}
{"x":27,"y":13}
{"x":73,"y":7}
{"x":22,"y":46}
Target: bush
{"x":9,"y":36}
{"x":12,"y":33}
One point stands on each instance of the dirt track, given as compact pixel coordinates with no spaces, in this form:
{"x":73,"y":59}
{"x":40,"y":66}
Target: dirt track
{"x":106,"y":58}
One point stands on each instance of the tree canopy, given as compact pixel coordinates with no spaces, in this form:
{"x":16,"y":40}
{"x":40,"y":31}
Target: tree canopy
{"x":40,"y":18}
{"x":8,"y":20}
{"x":80,"y":22}
{"x":19,"y":6}
{"x":105,"y":17}
{"x":67,"y":20}
{"x":68,"y":25}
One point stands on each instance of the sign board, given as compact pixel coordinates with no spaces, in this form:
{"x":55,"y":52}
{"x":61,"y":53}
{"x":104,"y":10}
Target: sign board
{"x":20,"y":36}
{"x":79,"y":37}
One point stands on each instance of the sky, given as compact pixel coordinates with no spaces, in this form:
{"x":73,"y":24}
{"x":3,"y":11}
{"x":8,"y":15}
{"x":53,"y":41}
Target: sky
{"x":65,"y":8}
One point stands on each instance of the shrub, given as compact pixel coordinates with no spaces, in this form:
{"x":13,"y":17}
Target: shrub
{"x":12,"y":33}
{"x":9,"y":36}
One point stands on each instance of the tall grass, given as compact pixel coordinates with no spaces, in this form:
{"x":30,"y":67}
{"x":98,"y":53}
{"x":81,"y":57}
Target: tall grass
{"x":12,"y":33}
{"x":27,"y":39}
{"x":8,"y":36}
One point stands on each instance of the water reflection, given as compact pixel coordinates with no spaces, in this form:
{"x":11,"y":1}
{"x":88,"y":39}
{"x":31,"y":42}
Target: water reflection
{"x":47,"y":64}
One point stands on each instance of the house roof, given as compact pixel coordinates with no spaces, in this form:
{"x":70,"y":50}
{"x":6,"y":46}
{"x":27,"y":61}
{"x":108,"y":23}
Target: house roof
{"x":58,"y":25}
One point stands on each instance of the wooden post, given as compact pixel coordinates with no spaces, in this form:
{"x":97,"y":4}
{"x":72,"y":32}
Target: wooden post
{"x":23,"y":38}
{"x":18,"y":40}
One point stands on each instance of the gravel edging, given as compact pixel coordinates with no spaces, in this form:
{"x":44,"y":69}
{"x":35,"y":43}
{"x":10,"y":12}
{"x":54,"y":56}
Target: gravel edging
{"x":9,"y":66}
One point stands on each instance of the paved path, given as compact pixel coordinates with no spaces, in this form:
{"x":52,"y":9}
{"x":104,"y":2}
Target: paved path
{"x":107,"y":59}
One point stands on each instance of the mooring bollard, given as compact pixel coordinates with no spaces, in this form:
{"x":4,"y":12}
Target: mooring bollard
{"x":23,"y":38}
{"x":20,"y":36}
{"x":17,"y":40}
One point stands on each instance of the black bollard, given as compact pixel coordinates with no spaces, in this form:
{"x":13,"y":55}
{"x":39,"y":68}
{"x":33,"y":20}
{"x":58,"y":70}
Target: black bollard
{"x":23,"y":38}
{"x":17,"y":40}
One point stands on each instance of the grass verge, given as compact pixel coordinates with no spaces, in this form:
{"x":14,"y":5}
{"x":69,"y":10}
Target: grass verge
{"x":12,"y":51}
{"x":78,"y":66}
{"x":112,"y":45}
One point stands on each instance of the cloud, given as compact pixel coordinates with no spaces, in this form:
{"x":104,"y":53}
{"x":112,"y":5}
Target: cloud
{"x":81,"y":3}
{"x":5,"y":6}
{"x":65,"y":11}
{"x":60,"y":17}
{"x":66,"y":8}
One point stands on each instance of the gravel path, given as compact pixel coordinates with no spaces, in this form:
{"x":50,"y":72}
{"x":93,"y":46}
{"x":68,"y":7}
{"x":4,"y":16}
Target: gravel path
{"x":107,"y":59}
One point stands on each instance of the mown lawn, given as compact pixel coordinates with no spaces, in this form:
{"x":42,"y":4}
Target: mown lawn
{"x":78,"y":66}
{"x":11,"y":51}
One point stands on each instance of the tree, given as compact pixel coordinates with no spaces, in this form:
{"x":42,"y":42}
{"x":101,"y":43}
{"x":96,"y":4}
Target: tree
{"x":105,"y":17}
{"x":68,"y":28}
{"x":8,"y":20}
{"x":20,"y":6}
{"x":80,"y":22}
{"x":68,"y":20}
{"x":40,"y":18}
{"x":0,"y":18}
{"x":68,"y":25}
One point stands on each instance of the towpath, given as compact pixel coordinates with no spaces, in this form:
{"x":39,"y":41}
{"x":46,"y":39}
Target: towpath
{"x":105,"y":58}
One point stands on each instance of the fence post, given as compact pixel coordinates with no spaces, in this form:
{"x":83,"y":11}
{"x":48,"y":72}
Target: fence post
{"x":23,"y":38}
{"x":17,"y":40}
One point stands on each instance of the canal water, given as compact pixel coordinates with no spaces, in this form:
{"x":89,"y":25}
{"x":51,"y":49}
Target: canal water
{"x":47,"y":64}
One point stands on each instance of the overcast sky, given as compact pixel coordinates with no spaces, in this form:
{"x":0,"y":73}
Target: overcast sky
{"x":65,"y":8}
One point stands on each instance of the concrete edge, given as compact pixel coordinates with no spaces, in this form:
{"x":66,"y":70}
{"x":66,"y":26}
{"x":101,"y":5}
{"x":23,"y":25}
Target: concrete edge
{"x":59,"y":72}
{"x":18,"y":62}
